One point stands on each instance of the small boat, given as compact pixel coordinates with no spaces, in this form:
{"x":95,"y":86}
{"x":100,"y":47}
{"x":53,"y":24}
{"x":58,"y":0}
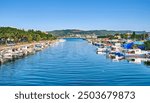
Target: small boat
{"x":116,"y":55}
{"x":148,"y":55}
{"x":103,"y":49}
{"x":38,"y":47}
{"x":115,"y":49}
{"x":24,"y":47}
{"x":8,"y":54}
{"x":119,"y":56}
{"x":1,"y":56}
{"x":62,"y":40}
{"x":137,"y":53}
{"x":100,"y":49}
{"x":97,"y":44}
{"x":135,"y":60}
{"x":101,"y":53}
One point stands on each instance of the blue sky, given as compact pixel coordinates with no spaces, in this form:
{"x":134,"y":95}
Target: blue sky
{"x":76,"y":14}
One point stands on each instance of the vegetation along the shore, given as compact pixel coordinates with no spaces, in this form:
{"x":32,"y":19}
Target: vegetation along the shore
{"x":13,"y":35}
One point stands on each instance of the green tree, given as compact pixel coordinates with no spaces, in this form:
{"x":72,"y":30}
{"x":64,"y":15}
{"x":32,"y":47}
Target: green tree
{"x":17,"y":35}
{"x":147,"y":45}
{"x":38,"y":38}
{"x":133,"y":36}
{"x":29,"y":38}
{"x":124,"y":36}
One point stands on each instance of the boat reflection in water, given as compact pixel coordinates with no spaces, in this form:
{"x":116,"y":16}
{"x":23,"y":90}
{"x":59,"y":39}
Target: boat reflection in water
{"x":62,"y":40}
{"x":147,"y":63}
{"x":138,"y":60}
{"x":119,"y":57}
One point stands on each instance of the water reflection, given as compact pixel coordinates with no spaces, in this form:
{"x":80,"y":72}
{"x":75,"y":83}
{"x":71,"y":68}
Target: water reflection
{"x":147,"y":63}
{"x":74,"y":63}
{"x":134,"y":60}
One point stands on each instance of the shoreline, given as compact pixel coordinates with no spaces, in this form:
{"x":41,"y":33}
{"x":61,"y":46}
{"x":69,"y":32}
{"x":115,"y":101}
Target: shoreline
{"x":21,"y":50}
{"x":25,"y":44}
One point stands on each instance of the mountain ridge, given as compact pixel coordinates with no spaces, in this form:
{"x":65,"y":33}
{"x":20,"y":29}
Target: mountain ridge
{"x":92,"y":32}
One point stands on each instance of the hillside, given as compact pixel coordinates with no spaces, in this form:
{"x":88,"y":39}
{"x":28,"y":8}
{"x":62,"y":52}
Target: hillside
{"x":90,"y":32}
{"x":9,"y":34}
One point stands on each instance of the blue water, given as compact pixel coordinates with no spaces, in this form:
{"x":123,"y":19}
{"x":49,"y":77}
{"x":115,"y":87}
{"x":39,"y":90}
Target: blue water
{"x":72,"y":63}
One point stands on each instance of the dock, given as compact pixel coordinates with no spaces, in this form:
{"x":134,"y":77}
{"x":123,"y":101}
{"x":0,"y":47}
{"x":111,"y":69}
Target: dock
{"x":12,"y":53}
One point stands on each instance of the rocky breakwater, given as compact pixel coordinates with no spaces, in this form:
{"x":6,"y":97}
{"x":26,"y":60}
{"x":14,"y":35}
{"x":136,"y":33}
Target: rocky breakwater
{"x":12,"y":53}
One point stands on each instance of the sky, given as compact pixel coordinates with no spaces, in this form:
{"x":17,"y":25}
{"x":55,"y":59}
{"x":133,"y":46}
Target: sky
{"x":49,"y":15}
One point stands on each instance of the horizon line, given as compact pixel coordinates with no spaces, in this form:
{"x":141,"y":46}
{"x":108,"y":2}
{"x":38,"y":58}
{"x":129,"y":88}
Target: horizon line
{"x":74,"y":29}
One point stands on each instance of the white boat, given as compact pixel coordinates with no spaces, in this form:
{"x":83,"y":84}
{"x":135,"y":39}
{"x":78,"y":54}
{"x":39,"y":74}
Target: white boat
{"x":1,"y":56}
{"x":103,"y":49}
{"x":101,"y":52}
{"x":116,"y":55}
{"x":138,"y":60}
{"x":38,"y":47}
{"x":8,"y":54}
{"x":119,"y":57}
{"x":135,"y":53}
{"x":24,"y":47}
{"x":115,"y":49}
{"x":1,"y":53}
{"x":62,"y":40}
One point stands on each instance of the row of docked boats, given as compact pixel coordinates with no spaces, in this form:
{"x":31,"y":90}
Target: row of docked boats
{"x":117,"y":51}
{"x":15,"y":52}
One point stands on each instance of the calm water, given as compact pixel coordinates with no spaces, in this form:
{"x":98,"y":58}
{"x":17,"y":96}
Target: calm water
{"x":73,"y":62}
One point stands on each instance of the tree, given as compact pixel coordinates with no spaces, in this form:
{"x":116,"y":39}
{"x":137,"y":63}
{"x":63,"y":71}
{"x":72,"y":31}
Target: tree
{"x":110,"y":36}
{"x":29,"y":38}
{"x":144,"y":36}
{"x":124,"y":36}
{"x":147,"y":45}
{"x":17,"y":35}
{"x":133,"y":36}
{"x":38,"y":38}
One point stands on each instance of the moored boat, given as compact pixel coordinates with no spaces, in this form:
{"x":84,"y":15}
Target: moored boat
{"x":135,"y":53}
{"x":62,"y":40}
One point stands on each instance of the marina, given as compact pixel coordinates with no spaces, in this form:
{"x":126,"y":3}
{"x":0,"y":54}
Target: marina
{"x":12,"y":53}
{"x":121,"y":50}
{"x":75,"y":63}
{"x":74,"y":51}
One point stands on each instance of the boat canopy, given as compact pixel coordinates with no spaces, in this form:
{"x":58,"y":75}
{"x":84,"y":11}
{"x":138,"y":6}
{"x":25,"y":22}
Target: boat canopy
{"x":138,"y":42}
{"x":142,"y":47}
{"x":119,"y":54}
{"x":128,"y":45}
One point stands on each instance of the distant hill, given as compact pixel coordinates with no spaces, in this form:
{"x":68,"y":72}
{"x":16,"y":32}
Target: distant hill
{"x":91,"y":32}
